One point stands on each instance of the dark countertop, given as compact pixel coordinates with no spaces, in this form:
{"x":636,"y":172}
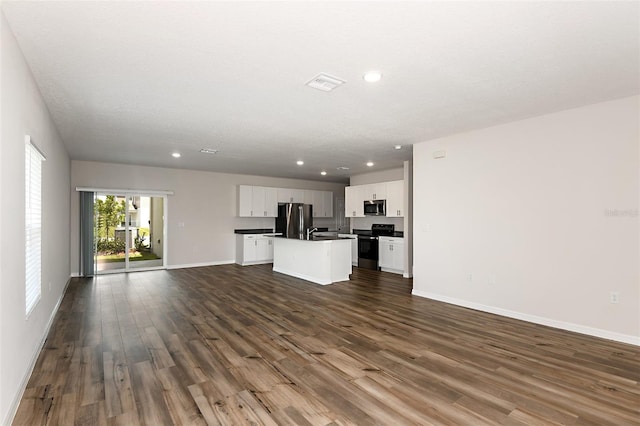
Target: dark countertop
{"x":367,"y":232}
{"x":254,"y":231}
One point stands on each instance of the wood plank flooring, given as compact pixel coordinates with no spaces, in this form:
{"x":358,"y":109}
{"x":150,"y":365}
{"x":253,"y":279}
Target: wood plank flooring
{"x":235,"y":345}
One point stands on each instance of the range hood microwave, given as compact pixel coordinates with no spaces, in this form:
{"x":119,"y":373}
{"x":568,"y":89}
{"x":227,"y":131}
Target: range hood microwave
{"x":375,"y":208}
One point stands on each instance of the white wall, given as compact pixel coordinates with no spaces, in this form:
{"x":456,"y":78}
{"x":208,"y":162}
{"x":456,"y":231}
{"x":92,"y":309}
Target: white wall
{"x":24,"y":113}
{"x":377,"y":176}
{"x":543,"y":213}
{"x":408,"y":219}
{"x":205,"y":202}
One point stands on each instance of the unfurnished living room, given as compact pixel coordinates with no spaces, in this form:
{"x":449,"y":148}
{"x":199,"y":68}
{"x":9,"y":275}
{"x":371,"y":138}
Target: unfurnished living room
{"x":319,"y":213}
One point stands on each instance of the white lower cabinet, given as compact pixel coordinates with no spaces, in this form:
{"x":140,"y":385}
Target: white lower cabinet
{"x":252,"y":249}
{"x":354,"y":247}
{"x":391,"y":254}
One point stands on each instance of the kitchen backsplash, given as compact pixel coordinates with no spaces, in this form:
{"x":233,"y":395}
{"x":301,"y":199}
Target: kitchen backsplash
{"x":366,"y":222}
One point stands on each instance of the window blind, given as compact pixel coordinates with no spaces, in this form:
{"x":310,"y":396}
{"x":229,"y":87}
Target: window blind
{"x":33,"y":225}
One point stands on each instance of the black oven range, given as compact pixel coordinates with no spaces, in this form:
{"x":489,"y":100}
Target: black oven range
{"x":368,"y":244}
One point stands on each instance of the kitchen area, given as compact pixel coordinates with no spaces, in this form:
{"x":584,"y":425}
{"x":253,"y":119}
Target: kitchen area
{"x":320,"y":236}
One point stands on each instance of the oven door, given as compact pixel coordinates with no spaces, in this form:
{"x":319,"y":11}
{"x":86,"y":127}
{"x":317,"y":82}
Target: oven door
{"x":367,"y":252}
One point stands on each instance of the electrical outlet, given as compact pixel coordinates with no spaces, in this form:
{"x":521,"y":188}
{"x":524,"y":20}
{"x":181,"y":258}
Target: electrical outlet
{"x":492,"y":279}
{"x":49,"y":285}
{"x":614,"y":297}
{"x":470,"y":277}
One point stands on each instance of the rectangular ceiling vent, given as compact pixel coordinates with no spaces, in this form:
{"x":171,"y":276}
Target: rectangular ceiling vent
{"x":325,"y":82}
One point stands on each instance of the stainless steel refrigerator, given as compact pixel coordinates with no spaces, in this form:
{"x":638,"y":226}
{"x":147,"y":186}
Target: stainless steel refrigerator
{"x":294,"y":219}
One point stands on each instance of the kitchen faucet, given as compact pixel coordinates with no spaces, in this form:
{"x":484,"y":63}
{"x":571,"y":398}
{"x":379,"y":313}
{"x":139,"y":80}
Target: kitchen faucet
{"x":310,"y":231}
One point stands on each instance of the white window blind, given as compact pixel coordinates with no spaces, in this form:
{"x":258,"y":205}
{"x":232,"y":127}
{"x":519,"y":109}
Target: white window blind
{"x":33,"y":224}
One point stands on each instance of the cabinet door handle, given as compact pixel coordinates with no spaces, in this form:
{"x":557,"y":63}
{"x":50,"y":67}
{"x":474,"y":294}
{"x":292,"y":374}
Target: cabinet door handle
{"x":255,"y":243}
{"x":251,"y":212}
{"x":265,"y":212}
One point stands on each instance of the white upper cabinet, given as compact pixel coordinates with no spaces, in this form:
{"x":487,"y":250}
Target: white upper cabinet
{"x":245,"y":201}
{"x":258,"y":205}
{"x":322,"y":204}
{"x":395,"y":198}
{"x":308,"y":196}
{"x":353,"y":201}
{"x":257,"y":201}
{"x":376,"y":191}
{"x":284,"y":195}
{"x":392,"y":192}
{"x":328,"y":203}
{"x":287,"y":195}
{"x":297,"y":195}
{"x":271,"y":201}
{"x":261,"y":201}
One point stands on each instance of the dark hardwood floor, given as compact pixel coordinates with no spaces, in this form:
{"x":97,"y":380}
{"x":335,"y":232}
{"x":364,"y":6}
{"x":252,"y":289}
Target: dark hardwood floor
{"x":238,"y":345}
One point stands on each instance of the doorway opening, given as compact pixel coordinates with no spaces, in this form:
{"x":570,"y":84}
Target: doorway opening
{"x":129,"y":232}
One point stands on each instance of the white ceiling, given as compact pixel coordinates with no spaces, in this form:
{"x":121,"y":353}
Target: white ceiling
{"x":131,"y":82}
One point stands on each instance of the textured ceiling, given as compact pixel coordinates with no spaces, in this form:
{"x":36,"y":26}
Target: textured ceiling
{"x":131,"y":82}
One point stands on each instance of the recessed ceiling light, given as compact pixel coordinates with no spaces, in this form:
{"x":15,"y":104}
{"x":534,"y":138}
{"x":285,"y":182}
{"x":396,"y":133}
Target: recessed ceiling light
{"x":397,"y":147}
{"x":323,"y":173}
{"x":209,"y":151}
{"x":299,"y":162}
{"x":369,"y":164}
{"x":372,"y":76}
{"x":342,"y":168}
{"x":176,"y":155}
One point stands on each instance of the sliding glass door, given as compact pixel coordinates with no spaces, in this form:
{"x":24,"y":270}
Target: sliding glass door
{"x":129,"y":232}
{"x":146,"y":231}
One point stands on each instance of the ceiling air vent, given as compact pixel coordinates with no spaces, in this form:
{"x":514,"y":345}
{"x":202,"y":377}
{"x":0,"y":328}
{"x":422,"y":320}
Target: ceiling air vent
{"x":209,"y":151}
{"x":325,"y":82}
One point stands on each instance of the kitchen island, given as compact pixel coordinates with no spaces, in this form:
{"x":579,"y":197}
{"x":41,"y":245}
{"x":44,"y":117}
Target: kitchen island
{"x":322,"y":260}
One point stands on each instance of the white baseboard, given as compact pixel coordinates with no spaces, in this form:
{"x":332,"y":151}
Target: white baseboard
{"x":577,"y":328}
{"x":75,"y":275}
{"x":198,"y":265}
{"x":257,"y":262}
{"x":13,"y":408}
{"x":392,"y":271}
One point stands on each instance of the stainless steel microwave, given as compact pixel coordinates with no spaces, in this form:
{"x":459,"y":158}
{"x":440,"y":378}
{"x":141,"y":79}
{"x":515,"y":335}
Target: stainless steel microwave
{"x":375,"y":208}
